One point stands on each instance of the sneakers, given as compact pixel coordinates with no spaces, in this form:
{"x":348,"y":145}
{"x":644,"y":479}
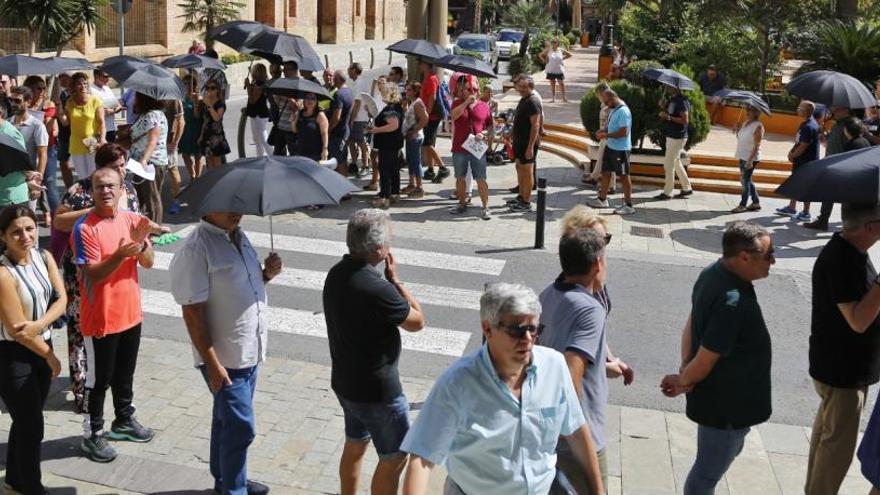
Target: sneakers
{"x":739,"y":209}
{"x":624,"y":209}
{"x":458,"y":209}
{"x":520,"y":206}
{"x":684,"y":194}
{"x":514,"y":189}
{"x":131,"y":431}
{"x":662,"y":196}
{"x":417,"y":192}
{"x":598,"y":203}
{"x":441,"y":174}
{"x":486,"y":215}
{"x":174,"y":209}
{"x":97,"y":449}
{"x":754,"y":207}
{"x":818,"y":224}
{"x":786,"y":211}
{"x":517,"y":199}
{"x":381,"y":203}
{"x":429,"y":174}
{"x":372,"y":186}
{"x":803,"y":217}
{"x":253,"y":488}
{"x":408,"y":189}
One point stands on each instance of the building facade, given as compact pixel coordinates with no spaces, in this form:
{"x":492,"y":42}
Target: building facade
{"x":154,"y":28}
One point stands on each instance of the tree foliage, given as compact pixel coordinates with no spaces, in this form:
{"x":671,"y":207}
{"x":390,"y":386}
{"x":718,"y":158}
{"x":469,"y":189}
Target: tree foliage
{"x":202,"y":16}
{"x":852,"y":48}
{"x":527,"y":15}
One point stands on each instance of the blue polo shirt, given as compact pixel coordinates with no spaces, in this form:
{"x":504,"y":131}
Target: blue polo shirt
{"x":807,"y":133}
{"x":620,"y":117}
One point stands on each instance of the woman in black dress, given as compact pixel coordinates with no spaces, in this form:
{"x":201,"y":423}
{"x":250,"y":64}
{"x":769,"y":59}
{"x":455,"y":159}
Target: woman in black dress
{"x":311,"y":128}
{"x":212,"y":139}
{"x":388,"y":139}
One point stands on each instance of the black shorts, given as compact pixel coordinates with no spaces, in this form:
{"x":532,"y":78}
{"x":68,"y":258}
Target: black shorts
{"x":431,"y":133}
{"x":555,"y":77}
{"x":519,"y":154}
{"x":614,"y":161}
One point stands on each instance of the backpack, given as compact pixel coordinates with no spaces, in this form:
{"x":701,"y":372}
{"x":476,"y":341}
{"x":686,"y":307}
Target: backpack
{"x":443,"y":101}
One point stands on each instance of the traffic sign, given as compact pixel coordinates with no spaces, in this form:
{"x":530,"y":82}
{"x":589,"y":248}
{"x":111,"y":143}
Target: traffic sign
{"x":122,"y":6}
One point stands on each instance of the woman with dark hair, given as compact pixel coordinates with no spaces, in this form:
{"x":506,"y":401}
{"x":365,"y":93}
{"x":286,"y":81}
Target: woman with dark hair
{"x":311,"y":127}
{"x":212,"y":140}
{"x":149,"y":138}
{"x":31,"y":298}
{"x":42,"y":105}
{"x":189,"y":142}
{"x":84,"y":115}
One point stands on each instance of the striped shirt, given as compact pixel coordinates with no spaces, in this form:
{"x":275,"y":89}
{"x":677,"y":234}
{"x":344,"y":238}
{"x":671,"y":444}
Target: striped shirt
{"x":34,"y":289}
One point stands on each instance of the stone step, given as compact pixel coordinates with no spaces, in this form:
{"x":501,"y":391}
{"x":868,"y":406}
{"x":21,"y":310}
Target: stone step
{"x":767,"y":177}
{"x":707,"y":185}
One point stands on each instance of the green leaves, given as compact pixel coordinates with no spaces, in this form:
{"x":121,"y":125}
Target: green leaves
{"x":55,"y":21}
{"x":851,"y":48}
{"x":203,"y":15}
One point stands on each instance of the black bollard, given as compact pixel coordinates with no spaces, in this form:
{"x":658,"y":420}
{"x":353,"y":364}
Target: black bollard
{"x":539,"y":221}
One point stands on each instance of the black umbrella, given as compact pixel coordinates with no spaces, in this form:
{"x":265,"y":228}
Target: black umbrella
{"x":193,"y":61}
{"x":466,"y":64}
{"x":13,"y":156}
{"x":63,"y":64}
{"x":234,"y":34}
{"x":20,"y":65}
{"x":121,"y":67}
{"x":156,"y":82}
{"x":279,"y":47}
{"x":418,"y":48}
{"x":852,"y":177}
{"x":831,"y":88}
{"x":265,"y":186}
{"x":744,"y":97}
{"x":296,"y":88}
{"x":669,"y":77}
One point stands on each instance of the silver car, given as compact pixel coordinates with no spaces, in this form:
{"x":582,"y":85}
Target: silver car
{"x":508,"y":41}
{"x":479,"y":43}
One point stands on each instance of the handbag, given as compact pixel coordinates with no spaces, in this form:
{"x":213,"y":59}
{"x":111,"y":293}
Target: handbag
{"x":273,"y":133}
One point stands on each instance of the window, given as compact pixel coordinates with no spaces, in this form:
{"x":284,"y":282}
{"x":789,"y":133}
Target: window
{"x":291,"y":8}
{"x":357,"y":8}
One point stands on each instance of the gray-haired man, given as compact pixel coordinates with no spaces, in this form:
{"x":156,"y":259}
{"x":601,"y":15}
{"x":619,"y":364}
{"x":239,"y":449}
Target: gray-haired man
{"x":363,"y":312}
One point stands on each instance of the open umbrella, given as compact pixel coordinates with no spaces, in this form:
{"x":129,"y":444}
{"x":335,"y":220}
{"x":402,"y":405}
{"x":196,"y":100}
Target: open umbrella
{"x":851,"y":177}
{"x":193,"y":61}
{"x":13,"y":156}
{"x":278,"y":47}
{"x":234,"y":34}
{"x":20,"y":65}
{"x":418,"y":48}
{"x":831,"y":88}
{"x":669,"y":77}
{"x":156,"y":82}
{"x":265,"y":186}
{"x":745,"y":97}
{"x":64,"y":64}
{"x":121,"y":67}
{"x":296,"y":88}
{"x":466,"y":64}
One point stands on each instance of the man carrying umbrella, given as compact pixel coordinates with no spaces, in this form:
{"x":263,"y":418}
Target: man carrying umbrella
{"x":676,"y":116}
{"x":836,"y":144}
{"x":225,"y":315}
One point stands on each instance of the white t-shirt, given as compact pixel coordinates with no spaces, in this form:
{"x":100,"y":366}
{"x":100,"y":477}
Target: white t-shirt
{"x":362,"y":85}
{"x":555,"y":62}
{"x":109,"y":100}
{"x":745,"y":141}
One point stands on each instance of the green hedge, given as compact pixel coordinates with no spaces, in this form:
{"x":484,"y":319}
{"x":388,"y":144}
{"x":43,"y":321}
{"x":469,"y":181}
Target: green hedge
{"x":520,"y":65}
{"x":536,"y":46}
{"x":633,"y":95}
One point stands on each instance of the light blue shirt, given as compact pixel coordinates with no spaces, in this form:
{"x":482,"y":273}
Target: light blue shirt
{"x":620,"y":117}
{"x":492,"y":442}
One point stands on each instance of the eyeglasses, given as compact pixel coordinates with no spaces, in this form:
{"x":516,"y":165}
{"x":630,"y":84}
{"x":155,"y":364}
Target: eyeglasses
{"x":110,"y":187}
{"x":310,"y":98}
{"x":519,"y":331}
{"x":768,"y":255}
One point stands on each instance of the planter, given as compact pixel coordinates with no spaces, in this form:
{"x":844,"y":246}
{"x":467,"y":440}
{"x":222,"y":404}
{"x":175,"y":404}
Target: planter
{"x":605,"y":62}
{"x":585,"y":40}
{"x":778,"y":123}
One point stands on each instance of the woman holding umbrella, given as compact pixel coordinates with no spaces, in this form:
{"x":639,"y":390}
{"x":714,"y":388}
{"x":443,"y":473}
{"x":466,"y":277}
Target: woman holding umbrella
{"x":212,"y":140}
{"x":149,"y":136}
{"x":388,"y":139}
{"x":748,"y":151}
{"x":258,"y":108}
{"x":311,"y":128}
{"x":84,"y":115}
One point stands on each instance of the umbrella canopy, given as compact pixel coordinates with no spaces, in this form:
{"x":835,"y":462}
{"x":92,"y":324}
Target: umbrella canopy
{"x":852,"y":177}
{"x":20,"y":65}
{"x":296,"y":88}
{"x":121,"y":67}
{"x":744,"y":97}
{"x":831,"y":88}
{"x":418,"y":48}
{"x":265,"y":186}
{"x":466,"y":64}
{"x":193,"y":61}
{"x":13,"y":156}
{"x":278,"y":47}
{"x":63,"y":64}
{"x":234,"y":34}
{"x":156,"y":82}
{"x":670,"y":77}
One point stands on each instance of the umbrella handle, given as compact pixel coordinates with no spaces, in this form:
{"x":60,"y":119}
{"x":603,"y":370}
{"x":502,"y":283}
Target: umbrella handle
{"x":271,"y":236}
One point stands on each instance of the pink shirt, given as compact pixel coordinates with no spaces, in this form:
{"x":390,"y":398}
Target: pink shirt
{"x":472,"y":121}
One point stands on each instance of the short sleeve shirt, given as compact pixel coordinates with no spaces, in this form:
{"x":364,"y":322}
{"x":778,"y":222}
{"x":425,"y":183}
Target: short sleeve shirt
{"x":676,"y":107}
{"x":522,"y":123}
{"x":362,"y":85}
{"x":108,"y":100}
{"x":808,"y":133}
{"x":727,"y":319}
{"x":472,"y":121}
{"x":363,"y":311}
{"x":839,"y":356}
{"x":114,"y":304}
{"x":430,"y":85}
{"x":13,"y":187}
{"x":712,"y":86}
{"x":35,"y":136}
{"x":83,"y":123}
{"x":836,"y":140}
{"x":619,"y":118}
{"x":342,"y":100}
{"x":140,"y":138}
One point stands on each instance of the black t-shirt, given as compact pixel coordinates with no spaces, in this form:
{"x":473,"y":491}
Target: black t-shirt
{"x":342,"y":99}
{"x":856,"y":144}
{"x":677,"y":106}
{"x":711,"y":86}
{"x":363,"y":311}
{"x":727,"y":319}
{"x":522,"y":125}
{"x":259,"y":108}
{"x":389,"y":140}
{"x":839,"y":356}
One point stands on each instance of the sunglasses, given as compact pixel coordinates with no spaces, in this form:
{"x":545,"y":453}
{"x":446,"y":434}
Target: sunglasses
{"x":607,"y":239}
{"x":210,"y":88}
{"x":519,"y":331}
{"x":767,"y":255}
{"x":15,"y":100}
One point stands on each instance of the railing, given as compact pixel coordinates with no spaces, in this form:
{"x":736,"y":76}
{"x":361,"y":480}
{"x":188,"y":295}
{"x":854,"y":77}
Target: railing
{"x":142,"y":26}
{"x":15,"y":40}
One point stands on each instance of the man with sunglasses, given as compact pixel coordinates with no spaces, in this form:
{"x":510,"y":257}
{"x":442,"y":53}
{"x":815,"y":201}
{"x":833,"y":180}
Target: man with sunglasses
{"x":726,"y":355}
{"x":36,"y":139}
{"x":844,"y":344}
{"x":495,"y":416}
{"x":574,"y":318}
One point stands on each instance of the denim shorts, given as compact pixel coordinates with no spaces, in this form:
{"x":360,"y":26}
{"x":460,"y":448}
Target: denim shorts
{"x":385,"y":423}
{"x":461,"y":161}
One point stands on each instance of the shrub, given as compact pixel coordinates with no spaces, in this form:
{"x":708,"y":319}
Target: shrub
{"x":576,"y":32}
{"x":700,"y":124}
{"x":520,"y":65}
{"x":633,"y":95}
{"x":730,"y":46}
{"x":634,"y":70}
{"x":845,"y":47}
{"x":572,"y":39}
{"x":229,"y":59}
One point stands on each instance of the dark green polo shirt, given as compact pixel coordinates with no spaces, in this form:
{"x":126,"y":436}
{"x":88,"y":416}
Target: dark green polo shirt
{"x":727,"y":319}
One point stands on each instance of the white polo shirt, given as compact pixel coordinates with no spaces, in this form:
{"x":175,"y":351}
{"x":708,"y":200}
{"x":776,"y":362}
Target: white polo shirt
{"x":208,"y":268}
{"x":34,"y":133}
{"x":109,"y":100}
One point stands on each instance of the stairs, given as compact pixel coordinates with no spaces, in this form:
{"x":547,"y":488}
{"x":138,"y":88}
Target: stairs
{"x":711,"y":173}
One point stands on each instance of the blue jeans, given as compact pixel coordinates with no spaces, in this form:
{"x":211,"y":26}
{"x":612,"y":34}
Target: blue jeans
{"x":716,"y":450}
{"x":386,"y":423}
{"x":233,"y":428}
{"x":49,"y":179}
{"x":414,"y":157}
{"x":747,"y":184}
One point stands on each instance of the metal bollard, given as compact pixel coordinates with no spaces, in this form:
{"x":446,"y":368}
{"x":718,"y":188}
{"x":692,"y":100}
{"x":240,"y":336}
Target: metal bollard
{"x":390,"y":55}
{"x":372,"y":57}
{"x":242,"y":122}
{"x":350,"y":58}
{"x":539,"y":221}
{"x":326,"y":61}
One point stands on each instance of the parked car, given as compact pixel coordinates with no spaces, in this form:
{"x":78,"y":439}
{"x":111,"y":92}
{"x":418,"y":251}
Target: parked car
{"x":508,"y":41}
{"x":479,"y":43}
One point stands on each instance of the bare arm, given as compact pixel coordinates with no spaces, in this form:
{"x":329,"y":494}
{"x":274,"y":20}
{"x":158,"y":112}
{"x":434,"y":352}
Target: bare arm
{"x":147,"y":256}
{"x":12,"y":315}
{"x":860,"y":315}
{"x":102,"y":124}
{"x":155,"y":134}
{"x":577,"y":365}
{"x":415,"y":320}
{"x":355,"y":108}
{"x":324,"y":126}
{"x":535,"y":121}
{"x":798,"y":150}
{"x":759,"y":136}
{"x":581,"y":443}
{"x":42,"y":158}
{"x":457,"y":111}
{"x":699,"y":367}
{"x":392,"y":125}
{"x":65,"y":219}
{"x":686,"y":337}
{"x":418,"y":473}
{"x":335,"y":118}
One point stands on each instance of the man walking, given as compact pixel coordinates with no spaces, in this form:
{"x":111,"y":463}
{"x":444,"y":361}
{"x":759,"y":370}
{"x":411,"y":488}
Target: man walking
{"x":844,"y":344}
{"x":676,"y":116}
{"x":525,"y":137}
{"x":574,"y":319}
{"x":725,"y":355}
{"x":225,"y":315}
{"x":430,"y":157}
{"x":595,"y":176}
{"x":475,"y":420}
{"x":357,"y":140}
{"x":805,"y":150}
{"x":615,"y":159}
{"x":108,"y":245}
{"x":340,"y":113}
{"x":363,"y":312}
{"x":36,"y":139}
{"x":836,"y":144}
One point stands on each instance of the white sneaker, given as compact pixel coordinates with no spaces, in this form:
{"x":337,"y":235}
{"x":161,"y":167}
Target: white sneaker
{"x":486,"y":214}
{"x":598,"y":203}
{"x":624,"y":209}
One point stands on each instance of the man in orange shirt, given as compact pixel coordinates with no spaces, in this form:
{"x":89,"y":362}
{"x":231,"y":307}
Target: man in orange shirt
{"x":108,"y":244}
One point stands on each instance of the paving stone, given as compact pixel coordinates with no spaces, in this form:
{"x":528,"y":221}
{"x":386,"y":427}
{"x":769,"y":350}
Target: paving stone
{"x":784,"y":439}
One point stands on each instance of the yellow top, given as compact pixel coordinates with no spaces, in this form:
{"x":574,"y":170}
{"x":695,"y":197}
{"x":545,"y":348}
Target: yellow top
{"x":83,"y":123}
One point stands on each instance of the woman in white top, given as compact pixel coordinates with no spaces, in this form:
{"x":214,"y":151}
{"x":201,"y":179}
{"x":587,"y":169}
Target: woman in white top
{"x":748,"y":152}
{"x":415,"y":119}
{"x":31,"y":298}
{"x":101,"y":88}
{"x":554,"y":61}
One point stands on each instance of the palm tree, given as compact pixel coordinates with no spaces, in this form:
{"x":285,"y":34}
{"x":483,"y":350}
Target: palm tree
{"x":845,"y":47}
{"x":36,"y":17}
{"x":527,"y":15}
{"x":203,"y":15}
{"x":85,"y":16}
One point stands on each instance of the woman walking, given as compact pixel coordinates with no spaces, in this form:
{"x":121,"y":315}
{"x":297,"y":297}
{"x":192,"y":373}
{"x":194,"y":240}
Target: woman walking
{"x":84,"y":115}
{"x":748,"y":152}
{"x":258,"y":108}
{"x":311,"y":128}
{"x":388,"y":139}
{"x":554,"y":62}
{"x":189,"y":142}
{"x":415,"y":119}
{"x":31,"y":298}
{"x":149,"y":135}
{"x":212,"y":139}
